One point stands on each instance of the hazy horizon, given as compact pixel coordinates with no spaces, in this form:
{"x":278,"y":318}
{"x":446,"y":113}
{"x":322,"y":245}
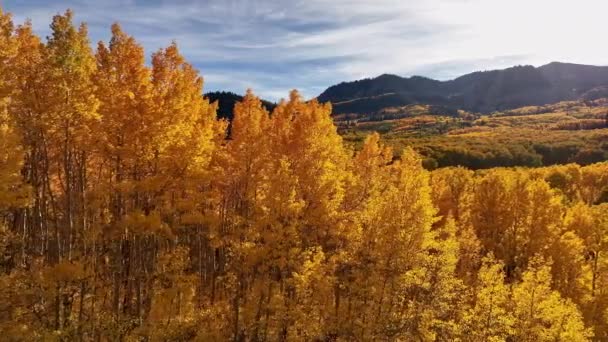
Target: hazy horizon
{"x":272,"y":46}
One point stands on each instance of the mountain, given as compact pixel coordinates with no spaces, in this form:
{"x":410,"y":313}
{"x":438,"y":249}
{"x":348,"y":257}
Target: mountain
{"x":482,"y":91}
{"x":226,"y":101}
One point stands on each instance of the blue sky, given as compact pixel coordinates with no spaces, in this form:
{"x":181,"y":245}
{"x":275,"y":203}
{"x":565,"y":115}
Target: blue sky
{"x":273,"y":46}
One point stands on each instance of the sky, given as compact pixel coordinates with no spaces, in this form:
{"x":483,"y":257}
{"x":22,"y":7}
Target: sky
{"x":273,"y":46}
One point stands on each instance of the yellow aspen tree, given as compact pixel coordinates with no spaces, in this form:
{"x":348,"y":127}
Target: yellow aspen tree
{"x":304,"y":134}
{"x":371,"y":171}
{"x":515,"y":217}
{"x":489,"y":317}
{"x":438,"y":299}
{"x":404,"y":239}
{"x":172,"y":312}
{"x":281,"y":250}
{"x":8,"y":50}
{"x":182,"y":138}
{"x":591,"y":224}
{"x":51,"y":106}
{"x":12,"y":191}
{"x":70,"y":111}
{"x":566,"y":179}
{"x":313,"y":292}
{"x":395,"y":226}
{"x":27,"y":114}
{"x":127,"y":127}
{"x":593,"y":182}
{"x":307,"y":152}
{"x":540,"y":313}
{"x":243,"y":180}
{"x":187,"y":119}
{"x":587,"y":183}
{"x":16,"y":318}
{"x":543,"y":217}
{"x":71,"y":108}
{"x":570,"y":269}
{"x":182,"y":149}
{"x":452,"y":191}
{"x":451,"y":186}
{"x":367,"y":168}
{"x":14,"y":195}
{"x":491,"y":215}
{"x":20,"y":242}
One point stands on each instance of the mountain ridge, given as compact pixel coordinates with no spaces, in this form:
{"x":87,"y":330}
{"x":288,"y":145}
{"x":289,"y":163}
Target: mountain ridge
{"x":480,"y":91}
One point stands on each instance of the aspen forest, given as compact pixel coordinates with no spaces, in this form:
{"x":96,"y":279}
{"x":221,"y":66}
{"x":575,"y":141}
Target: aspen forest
{"x":130,"y":212}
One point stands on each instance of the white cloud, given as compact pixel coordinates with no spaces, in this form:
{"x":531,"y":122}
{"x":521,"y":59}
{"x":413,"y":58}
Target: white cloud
{"x":274,"y":45}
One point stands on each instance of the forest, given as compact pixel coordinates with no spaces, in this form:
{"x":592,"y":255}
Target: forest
{"x":561,"y":133}
{"x":128,"y":213}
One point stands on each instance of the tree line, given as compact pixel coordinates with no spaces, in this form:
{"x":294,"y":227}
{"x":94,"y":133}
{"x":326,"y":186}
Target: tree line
{"x":128,"y":213}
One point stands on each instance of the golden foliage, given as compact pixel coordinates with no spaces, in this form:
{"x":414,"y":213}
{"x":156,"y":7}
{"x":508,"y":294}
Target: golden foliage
{"x":129,"y":212}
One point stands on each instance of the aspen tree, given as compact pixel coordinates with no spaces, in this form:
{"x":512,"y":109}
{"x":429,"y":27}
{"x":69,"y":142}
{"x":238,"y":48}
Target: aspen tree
{"x":540,"y":313}
{"x":489,"y":318}
{"x":591,"y":224}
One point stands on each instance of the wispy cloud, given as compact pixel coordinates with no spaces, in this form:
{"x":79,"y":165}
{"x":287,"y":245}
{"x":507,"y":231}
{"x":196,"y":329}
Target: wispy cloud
{"x":273,"y":45}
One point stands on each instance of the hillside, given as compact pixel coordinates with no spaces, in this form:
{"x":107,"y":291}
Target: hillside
{"x":560,"y":133}
{"x":482,"y":91}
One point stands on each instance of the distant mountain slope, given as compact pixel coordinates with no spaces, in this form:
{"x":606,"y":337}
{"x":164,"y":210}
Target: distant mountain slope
{"x":226,"y":101}
{"x":482,"y":91}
